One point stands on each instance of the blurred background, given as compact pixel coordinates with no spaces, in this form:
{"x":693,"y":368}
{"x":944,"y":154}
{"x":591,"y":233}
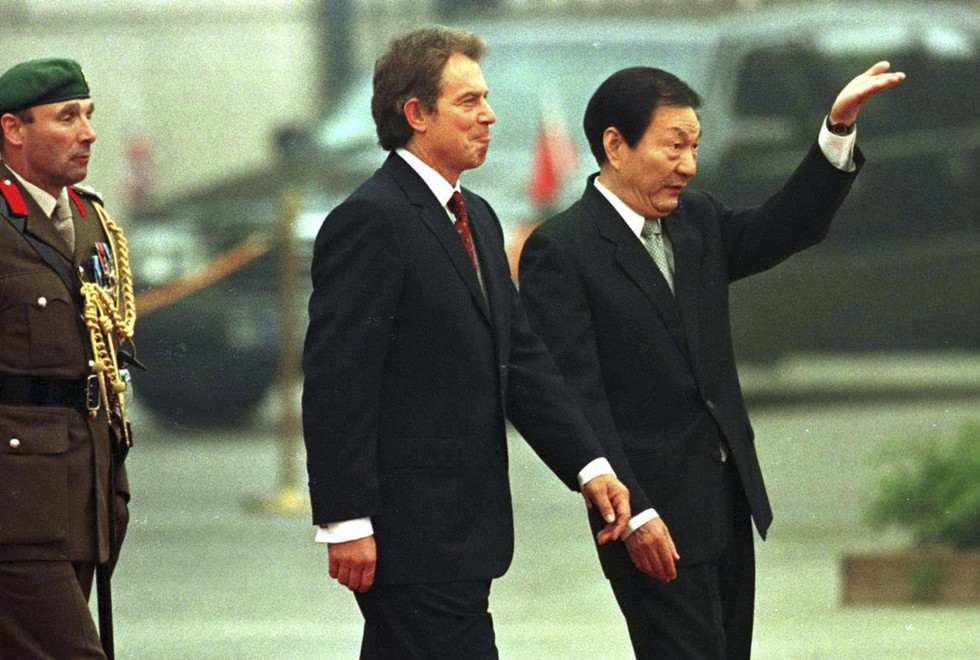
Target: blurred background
{"x":227,"y":129}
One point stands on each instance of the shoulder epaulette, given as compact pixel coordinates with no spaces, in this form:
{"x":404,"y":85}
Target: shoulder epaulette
{"x":77,"y":191}
{"x":15,"y":201}
{"x":85,"y":191}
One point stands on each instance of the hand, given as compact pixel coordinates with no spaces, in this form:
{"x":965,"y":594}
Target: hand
{"x":613,"y":499}
{"x":652,"y":550}
{"x":120,"y":525}
{"x":352,"y":563}
{"x":857,"y":92}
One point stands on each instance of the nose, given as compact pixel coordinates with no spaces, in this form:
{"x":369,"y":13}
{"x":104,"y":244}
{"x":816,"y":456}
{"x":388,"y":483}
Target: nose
{"x":487,"y":116}
{"x":87,"y":134}
{"x":688,"y":164}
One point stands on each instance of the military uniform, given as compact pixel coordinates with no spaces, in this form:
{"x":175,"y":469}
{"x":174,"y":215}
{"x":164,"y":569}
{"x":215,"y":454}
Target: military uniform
{"x":57,"y":480}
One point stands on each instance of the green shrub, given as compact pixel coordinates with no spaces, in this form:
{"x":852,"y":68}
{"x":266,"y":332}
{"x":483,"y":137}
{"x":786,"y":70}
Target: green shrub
{"x":933,"y":491}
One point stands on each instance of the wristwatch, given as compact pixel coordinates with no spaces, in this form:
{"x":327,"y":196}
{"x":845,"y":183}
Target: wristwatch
{"x":839,"y":129}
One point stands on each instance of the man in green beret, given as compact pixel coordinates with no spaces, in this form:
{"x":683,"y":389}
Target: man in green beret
{"x":66,"y":310}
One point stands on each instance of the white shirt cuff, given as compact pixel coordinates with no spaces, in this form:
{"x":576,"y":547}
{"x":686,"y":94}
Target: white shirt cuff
{"x":346,"y":530}
{"x":838,"y":149}
{"x":594,"y":469}
{"x":638,"y":521}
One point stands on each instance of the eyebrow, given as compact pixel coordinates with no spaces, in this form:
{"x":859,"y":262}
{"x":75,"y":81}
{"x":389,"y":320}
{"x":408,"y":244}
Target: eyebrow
{"x":473,"y":92}
{"x":680,"y":132}
{"x":78,"y":104}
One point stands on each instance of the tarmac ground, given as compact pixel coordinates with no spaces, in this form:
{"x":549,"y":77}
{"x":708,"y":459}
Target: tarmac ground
{"x":203,"y":575}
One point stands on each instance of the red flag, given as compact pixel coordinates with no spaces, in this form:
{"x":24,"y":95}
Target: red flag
{"x":555,"y":158}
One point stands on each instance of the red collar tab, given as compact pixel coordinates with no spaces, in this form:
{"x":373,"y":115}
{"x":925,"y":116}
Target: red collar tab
{"x":14,"y":199}
{"x":78,"y":202}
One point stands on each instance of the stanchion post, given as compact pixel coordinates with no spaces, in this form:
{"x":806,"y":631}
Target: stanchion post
{"x":290,"y":496}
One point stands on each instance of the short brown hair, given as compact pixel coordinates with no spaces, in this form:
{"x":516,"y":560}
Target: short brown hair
{"x":412,"y":67}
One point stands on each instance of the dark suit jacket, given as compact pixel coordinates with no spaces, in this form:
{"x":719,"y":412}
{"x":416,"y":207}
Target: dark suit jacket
{"x":54,"y":484}
{"x":410,"y":373}
{"x":655,"y":373}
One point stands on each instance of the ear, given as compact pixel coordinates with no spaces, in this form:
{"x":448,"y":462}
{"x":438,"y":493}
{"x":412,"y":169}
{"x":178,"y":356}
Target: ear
{"x":416,"y":114}
{"x":613,"y":143}
{"x":11,"y":124}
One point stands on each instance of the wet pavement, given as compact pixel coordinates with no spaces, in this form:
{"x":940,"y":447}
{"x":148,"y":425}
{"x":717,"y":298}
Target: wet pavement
{"x":203,"y":575}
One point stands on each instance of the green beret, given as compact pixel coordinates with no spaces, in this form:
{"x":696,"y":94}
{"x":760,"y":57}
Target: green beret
{"x":37,"y":82}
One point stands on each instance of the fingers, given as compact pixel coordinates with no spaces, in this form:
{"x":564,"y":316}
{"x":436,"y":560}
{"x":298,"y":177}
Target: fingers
{"x":612,"y":531}
{"x":612,"y":499}
{"x":878,"y":67}
{"x":352,"y":563}
{"x":616,"y":528}
{"x":857,"y":92}
{"x":667,"y":556}
{"x":601,"y":499}
{"x":601,"y":490}
{"x":355,"y":576}
{"x":653,"y":552}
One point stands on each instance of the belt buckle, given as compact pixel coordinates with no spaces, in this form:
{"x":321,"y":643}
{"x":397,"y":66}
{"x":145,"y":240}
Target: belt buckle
{"x":93,"y":395}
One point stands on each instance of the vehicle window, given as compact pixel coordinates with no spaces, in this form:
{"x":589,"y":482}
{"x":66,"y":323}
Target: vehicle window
{"x":781,"y":81}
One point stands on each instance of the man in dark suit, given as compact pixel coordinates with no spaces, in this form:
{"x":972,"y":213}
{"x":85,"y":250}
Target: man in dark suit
{"x":63,"y":488}
{"x":418,"y":351}
{"x":629,"y":289}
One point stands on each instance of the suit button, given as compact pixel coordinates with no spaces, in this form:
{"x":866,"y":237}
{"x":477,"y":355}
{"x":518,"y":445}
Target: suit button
{"x":14,"y":443}
{"x":42,"y":302}
{"x":710,"y":404}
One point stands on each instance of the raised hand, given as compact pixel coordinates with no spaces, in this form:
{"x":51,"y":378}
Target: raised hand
{"x":857,"y":92}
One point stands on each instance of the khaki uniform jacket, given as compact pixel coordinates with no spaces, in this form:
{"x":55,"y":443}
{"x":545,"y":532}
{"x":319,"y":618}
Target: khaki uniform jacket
{"x":55,"y":482}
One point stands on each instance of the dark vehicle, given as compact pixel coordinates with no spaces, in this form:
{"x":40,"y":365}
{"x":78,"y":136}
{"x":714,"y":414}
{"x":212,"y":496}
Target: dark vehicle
{"x":900,"y":270}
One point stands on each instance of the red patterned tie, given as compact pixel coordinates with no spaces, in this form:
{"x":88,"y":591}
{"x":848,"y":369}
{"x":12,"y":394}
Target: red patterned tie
{"x":458,"y":207}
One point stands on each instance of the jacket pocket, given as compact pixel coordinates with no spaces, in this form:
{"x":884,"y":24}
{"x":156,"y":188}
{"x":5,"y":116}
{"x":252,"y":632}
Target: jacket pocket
{"x":36,"y":317}
{"x":34,"y":469}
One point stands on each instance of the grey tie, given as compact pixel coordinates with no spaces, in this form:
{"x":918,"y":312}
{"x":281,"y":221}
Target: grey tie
{"x":653,"y":240}
{"x":63,"y":222}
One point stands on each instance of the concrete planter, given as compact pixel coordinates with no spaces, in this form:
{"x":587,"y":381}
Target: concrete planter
{"x":915,"y":576}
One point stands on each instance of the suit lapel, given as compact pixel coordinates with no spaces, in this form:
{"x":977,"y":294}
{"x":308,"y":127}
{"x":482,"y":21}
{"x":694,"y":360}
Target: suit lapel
{"x":633,"y":258}
{"x":496,"y":281}
{"x":685,"y":240}
{"x":435,"y":218}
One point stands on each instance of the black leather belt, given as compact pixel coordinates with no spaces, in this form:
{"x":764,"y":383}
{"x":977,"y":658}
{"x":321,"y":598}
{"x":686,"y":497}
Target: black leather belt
{"x":32,"y":391}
